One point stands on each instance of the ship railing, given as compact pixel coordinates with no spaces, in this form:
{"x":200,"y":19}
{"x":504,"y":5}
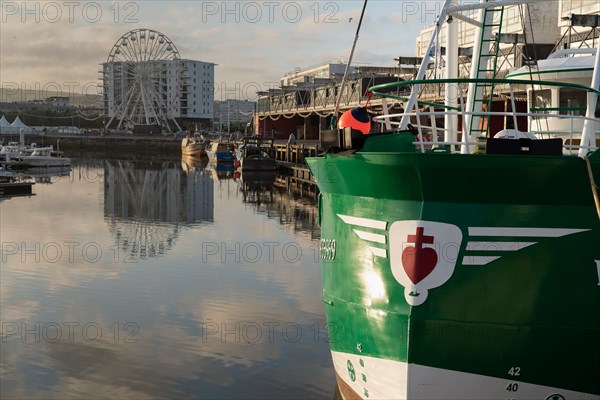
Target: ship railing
{"x":421,"y":115}
{"x":427,"y":133}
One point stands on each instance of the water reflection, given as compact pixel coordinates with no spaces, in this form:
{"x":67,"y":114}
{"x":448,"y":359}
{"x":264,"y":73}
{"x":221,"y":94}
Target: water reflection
{"x":44,"y":175}
{"x":161,"y":192}
{"x":213,"y":318}
{"x":190,"y":164}
{"x":221,"y":171}
{"x":145,"y":203}
{"x":290,"y":201}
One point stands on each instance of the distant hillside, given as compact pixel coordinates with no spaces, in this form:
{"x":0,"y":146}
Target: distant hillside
{"x":10,"y":95}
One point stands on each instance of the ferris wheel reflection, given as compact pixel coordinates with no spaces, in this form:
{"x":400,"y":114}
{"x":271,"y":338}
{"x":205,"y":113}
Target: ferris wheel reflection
{"x":146,"y":204}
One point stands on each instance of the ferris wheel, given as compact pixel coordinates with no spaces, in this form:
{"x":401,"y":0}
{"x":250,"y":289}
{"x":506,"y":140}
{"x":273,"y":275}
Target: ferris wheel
{"x":143,"y":80}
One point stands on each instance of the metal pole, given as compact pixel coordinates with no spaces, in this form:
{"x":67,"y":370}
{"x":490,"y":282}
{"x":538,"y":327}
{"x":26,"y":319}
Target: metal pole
{"x":423,"y":68}
{"x":450,"y":117}
{"x":588,"y":136}
{"x":337,"y":104}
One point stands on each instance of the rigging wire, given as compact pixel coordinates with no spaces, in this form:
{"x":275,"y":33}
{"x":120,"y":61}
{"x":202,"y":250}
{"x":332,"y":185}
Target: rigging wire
{"x":536,"y":66}
{"x":339,"y":99}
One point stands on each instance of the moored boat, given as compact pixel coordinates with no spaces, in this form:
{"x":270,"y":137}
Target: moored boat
{"x":15,"y":155}
{"x":9,"y":186}
{"x":220,"y":152}
{"x":462,"y":269}
{"x":193,"y":146}
{"x":256,"y":153}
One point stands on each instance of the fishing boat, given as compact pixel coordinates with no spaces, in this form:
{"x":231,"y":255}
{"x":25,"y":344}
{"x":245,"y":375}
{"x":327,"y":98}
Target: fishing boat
{"x":467,"y":268}
{"x":220,"y":152}
{"x":193,"y":146}
{"x":256,"y":153}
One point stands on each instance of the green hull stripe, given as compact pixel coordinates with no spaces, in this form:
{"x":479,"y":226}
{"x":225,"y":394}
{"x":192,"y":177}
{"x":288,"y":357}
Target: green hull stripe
{"x":550,"y":71}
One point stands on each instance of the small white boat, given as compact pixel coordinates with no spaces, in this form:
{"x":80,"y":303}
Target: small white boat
{"x":19,"y":156}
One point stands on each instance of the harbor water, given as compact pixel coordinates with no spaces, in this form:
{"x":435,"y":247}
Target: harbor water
{"x":161,"y":279}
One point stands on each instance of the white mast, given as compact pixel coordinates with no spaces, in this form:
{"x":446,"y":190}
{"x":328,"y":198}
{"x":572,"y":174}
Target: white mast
{"x":588,"y":136}
{"x":412,"y":100}
{"x":450,"y":116}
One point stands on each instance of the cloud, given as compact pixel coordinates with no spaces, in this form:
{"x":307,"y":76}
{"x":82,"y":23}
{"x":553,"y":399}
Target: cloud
{"x":247,"y":47}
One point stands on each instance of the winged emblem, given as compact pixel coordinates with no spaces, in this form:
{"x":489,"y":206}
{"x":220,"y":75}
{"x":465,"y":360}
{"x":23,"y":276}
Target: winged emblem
{"x":424,"y":254}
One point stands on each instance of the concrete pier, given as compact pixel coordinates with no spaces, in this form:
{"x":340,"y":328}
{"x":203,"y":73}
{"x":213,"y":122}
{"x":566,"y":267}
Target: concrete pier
{"x":127,"y":144}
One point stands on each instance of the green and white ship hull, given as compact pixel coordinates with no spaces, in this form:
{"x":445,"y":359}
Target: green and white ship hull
{"x":443,"y":285}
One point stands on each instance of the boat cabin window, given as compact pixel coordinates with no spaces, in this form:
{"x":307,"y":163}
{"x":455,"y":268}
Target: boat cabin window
{"x":572,"y":101}
{"x":540,"y":99}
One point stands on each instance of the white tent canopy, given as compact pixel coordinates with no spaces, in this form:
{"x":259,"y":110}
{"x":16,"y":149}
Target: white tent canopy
{"x":4,"y":122}
{"x":5,"y":126}
{"x":18,"y":124}
{"x":16,"y":127}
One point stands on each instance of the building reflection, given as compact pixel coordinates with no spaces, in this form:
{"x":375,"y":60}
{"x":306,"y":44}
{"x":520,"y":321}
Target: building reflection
{"x":146,"y":203}
{"x":289,"y":200}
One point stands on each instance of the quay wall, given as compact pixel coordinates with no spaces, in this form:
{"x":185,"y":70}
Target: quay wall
{"x":71,"y":144}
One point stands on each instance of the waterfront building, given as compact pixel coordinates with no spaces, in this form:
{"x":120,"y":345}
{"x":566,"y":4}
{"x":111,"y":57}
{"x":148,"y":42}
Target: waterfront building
{"x":306,"y":99}
{"x":179,"y":89}
{"x":550,"y":25}
{"x":306,"y":105}
{"x":231,"y":114}
{"x":327,"y":70}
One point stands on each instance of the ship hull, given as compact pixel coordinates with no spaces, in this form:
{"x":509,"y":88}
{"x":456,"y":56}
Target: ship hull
{"x":387,"y":379}
{"x":220,"y":157}
{"x":193,"y":152}
{"x":257,"y":164}
{"x":462,"y":276}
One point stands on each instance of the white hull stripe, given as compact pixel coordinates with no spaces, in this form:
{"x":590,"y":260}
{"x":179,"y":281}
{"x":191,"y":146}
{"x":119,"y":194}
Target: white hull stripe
{"x":371,"y":237}
{"x":523,"y":232}
{"x":498,"y":246}
{"x":364,"y":222}
{"x":376,"y":378}
{"x":378,"y":252}
{"x":478,"y":260}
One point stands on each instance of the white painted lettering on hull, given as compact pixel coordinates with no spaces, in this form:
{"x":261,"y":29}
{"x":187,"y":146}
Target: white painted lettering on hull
{"x":376,"y":378}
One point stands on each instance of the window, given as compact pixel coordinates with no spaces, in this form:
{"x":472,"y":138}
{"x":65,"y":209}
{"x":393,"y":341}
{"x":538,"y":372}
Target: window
{"x":540,"y":100}
{"x":572,"y":101}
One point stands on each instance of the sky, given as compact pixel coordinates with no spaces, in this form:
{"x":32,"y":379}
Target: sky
{"x":59,"y":45}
